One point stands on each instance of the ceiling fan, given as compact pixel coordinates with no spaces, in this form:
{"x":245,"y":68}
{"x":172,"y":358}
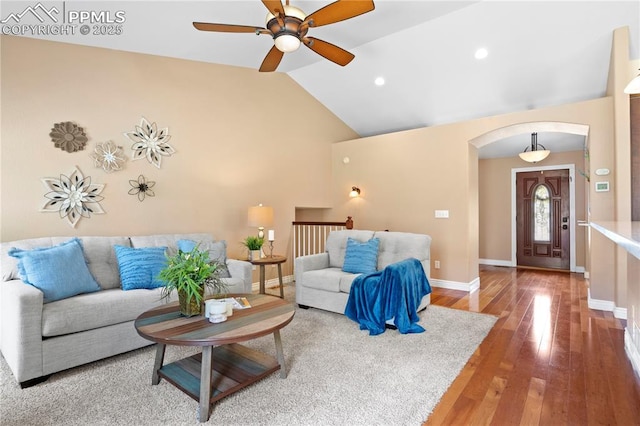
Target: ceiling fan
{"x":288,"y":25}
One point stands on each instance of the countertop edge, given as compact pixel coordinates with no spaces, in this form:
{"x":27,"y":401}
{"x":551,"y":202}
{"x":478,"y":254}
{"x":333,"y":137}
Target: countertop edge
{"x":629,"y":240}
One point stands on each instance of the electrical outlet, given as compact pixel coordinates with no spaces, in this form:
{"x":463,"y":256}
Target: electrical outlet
{"x":436,"y":264}
{"x":253,"y":268}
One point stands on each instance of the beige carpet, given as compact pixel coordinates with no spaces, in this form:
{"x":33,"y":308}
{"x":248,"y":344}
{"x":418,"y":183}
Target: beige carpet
{"x":337,"y":375}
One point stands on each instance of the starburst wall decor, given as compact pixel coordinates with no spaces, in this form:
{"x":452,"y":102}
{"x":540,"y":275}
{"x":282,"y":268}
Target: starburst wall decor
{"x":73,"y":197}
{"x":150,"y":142}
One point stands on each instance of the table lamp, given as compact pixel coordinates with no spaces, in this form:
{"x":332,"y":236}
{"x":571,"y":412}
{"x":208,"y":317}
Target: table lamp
{"x":260,"y":216}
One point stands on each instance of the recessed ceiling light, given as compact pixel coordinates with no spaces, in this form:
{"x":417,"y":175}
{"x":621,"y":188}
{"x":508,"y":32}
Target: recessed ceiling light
{"x":379,"y":81}
{"x":481,"y":53}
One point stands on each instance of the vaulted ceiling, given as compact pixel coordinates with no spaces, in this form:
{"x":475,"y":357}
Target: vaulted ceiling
{"x":540,"y":53}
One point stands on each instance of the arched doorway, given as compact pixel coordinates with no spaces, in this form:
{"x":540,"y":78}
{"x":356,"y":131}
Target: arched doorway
{"x":507,"y":134}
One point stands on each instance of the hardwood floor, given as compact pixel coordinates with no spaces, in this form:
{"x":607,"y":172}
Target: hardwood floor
{"x":549,"y":360}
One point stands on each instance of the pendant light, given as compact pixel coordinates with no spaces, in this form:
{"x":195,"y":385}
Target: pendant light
{"x":633,"y":88}
{"x":534,"y":154}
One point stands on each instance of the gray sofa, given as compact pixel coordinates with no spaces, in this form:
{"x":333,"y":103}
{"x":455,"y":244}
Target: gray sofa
{"x":37,"y":339}
{"x":321,"y":282}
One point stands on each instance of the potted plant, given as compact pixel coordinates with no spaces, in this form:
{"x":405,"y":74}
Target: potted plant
{"x":253,"y":244}
{"x":189,"y":273}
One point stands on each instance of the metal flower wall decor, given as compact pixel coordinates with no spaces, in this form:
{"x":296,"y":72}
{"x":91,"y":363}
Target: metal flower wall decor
{"x":68,"y":136}
{"x":150,"y":142}
{"x":109,"y":156}
{"x":142,"y":187}
{"x":73,"y":197}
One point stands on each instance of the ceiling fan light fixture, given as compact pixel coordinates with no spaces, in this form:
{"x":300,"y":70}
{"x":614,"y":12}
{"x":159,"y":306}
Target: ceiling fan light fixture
{"x":535,"y":154}
{"x":288,"y":26}
{"x":286,"y":42}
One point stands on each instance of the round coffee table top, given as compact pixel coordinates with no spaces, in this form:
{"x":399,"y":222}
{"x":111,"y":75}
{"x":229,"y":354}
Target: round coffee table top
{"x":164,"y":324}
{"x":269,"y":260}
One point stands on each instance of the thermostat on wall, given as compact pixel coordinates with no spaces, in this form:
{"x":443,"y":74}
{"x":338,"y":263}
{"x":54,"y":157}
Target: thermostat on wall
{"x":602,"y":186}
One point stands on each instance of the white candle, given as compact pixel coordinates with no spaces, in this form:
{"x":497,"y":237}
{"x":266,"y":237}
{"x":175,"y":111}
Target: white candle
{"x":272,"y":235}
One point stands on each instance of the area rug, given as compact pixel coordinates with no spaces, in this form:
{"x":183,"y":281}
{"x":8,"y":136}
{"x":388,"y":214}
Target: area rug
{"x":337,"y":375}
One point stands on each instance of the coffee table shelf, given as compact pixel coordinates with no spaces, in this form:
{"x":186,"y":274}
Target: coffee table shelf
{"x":234,"y":367}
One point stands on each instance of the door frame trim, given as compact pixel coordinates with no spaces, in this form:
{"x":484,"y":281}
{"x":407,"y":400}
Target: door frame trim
{"x":572,"y":210}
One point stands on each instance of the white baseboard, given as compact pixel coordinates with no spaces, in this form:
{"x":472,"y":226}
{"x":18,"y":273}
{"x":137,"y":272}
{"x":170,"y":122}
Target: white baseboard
{"x":606,"y":305}
{"x":456,"y":285}
{"x":495,"y":262}
{"x":620,"y":313}
{"x":632,"y":351}
{"x":580,"y":270}
{"x":272,"y":283}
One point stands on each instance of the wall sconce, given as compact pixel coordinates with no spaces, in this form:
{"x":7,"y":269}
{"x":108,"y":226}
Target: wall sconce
{"x":355,"y":192}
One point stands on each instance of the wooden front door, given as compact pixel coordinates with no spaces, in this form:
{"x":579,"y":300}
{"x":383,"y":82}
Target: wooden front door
{"x":543,"y":219}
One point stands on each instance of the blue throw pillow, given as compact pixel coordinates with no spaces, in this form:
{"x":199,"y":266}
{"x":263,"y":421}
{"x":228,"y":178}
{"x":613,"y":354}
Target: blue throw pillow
{"x":361,"y":258}
{"x":217,"y":252}
{"x":59,"y":271}
{"x":187,"y":245}
{"x":139,"y":267}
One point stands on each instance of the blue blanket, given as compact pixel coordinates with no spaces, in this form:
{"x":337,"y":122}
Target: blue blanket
{"x":394,"y":292}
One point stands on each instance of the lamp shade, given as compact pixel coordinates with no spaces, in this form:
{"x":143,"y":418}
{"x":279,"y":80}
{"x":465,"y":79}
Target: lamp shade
{"x":534,"y":156}
{"x":633,"y":88}
{"x":287,"y":43}
{"x":260,"y":216}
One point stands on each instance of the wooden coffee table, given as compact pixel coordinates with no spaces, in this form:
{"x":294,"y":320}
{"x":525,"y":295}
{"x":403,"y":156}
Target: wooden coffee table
{"x":224,"y":366}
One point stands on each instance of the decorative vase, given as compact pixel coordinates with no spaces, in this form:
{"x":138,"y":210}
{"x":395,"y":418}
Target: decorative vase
{"x":254,"y":254}
{"x":190,"y":308}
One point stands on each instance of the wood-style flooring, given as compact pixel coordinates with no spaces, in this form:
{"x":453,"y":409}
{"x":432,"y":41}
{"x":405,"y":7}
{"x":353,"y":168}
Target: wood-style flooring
{"x":549,"y":360}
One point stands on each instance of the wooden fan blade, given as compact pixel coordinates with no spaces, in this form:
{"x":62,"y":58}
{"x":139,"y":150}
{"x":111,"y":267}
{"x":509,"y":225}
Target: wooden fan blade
{"x":339,"y":11}
{"x":272,"y":60}
{"x":274,"y":6}
{"x":228,"y":28}
{"x":330,"y":51}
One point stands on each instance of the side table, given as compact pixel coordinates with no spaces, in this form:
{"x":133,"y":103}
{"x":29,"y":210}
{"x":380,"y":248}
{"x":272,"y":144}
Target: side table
{"x":270,"y":260}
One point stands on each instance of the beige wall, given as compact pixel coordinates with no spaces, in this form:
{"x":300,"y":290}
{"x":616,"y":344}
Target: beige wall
{"x":608,"y":278}
{"x":232,"y":152}
{"x":495,"y":208}
{"x":405,"y":176}
{"x":233,"y":149}
{"x":619,"y":268}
